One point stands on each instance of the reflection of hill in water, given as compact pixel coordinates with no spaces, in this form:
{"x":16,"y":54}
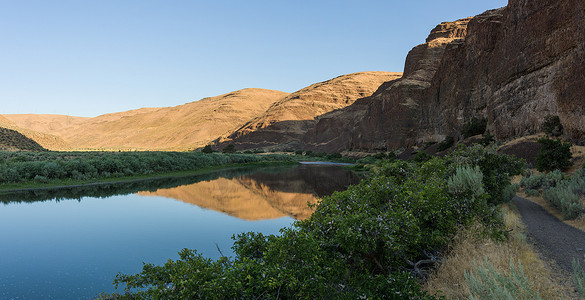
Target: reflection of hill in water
{"x":263,"y":195}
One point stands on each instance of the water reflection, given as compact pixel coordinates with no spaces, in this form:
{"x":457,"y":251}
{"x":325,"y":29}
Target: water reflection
{"x":266,"y":194}
{"x":246,"y":193}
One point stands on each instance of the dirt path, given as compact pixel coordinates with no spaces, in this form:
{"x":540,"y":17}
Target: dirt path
{"x":553,"y":238}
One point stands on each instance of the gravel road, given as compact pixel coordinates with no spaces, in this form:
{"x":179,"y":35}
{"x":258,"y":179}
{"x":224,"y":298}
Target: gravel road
{"x":553,"y":238}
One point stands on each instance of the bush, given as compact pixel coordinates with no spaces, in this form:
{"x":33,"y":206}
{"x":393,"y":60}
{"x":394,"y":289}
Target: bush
{"x":510,"y":192}
{"x":446,"y":144}
{"x":553,"y":154}
{"x":565,"y":200}
{"x":334,"y":156}
{"x":552,"y":126}
{"x":474,"y":127}
{"x":579,"y":277}
{"x":299,"y":152}
{"x":369,"y":241}
{"x":421,"y":156}
{"x":487,"y":283}
{"x":497,"y":169}
{"x":532,"y":193}
{"x":207,"y":149}
{"x":466,"y":181}
{"x":229,"y":149}
{"x":487,"y":139}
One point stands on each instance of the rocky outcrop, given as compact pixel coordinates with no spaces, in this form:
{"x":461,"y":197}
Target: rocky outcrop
{"x":288,"y":120}
{"x":513,"y":66}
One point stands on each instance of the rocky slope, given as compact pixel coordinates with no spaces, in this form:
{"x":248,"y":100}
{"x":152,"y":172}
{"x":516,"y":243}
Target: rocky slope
{"x":289,"y":118}
{"x":513,"y":66}
{"x":182,"y":127}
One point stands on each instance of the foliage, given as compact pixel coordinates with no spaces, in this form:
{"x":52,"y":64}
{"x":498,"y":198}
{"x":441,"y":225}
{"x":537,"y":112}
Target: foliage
{"x":566,"y":195}
{"x":497,"y":169}
{"x":487,"y":283}
{"x":207,"y":149}
{"x":447,"y":143}
{"x":466,"y":179}
{"x":231,"y":148}
{"x":487,"y":139}
{"x":370,"y":241}
{"x":474,"y":127}
{"x":421,"y":156}
{"x":510,"y":192}
{"x":552,"y":126}
{"x":299,"y":152}
{"x":554,"y":154}
{"x":44,"y":166}
{"x":579,"y":277}
{"x":543,"y":181}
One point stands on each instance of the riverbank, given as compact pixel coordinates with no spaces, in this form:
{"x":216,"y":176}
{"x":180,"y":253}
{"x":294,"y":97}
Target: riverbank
{"x":41,"y":171}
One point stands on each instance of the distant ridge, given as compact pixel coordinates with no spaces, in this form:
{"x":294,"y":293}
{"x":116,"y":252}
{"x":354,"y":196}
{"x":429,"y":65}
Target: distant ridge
{"x":13,"y":135}
{"x":182,"y":127}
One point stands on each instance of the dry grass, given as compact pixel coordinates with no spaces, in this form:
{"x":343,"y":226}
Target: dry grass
{"x":469,"y":248}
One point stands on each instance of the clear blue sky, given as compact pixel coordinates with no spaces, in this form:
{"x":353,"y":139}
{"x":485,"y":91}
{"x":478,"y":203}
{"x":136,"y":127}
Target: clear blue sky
{"x":90,"y":57}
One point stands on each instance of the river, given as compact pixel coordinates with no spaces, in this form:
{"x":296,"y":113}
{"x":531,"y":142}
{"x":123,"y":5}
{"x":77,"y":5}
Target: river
{"x":70,"y":243}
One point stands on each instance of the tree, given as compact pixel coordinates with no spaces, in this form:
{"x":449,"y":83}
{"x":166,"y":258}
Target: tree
{"x":207,"y":149}
{"x":552,"y":126}
{"x":229,"y":149}
{"x":553,"y":155}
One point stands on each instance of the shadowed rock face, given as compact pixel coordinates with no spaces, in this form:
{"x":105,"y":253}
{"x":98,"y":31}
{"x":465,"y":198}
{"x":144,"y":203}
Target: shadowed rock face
{"x":513,"y":66}
{"x":288,"y":119}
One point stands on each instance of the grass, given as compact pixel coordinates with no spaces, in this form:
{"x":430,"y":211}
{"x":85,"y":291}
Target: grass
{"x":469,"y":247}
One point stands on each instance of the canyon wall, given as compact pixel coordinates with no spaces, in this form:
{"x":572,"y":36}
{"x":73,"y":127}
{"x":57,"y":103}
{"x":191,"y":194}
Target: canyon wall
{"x":512,"y":66}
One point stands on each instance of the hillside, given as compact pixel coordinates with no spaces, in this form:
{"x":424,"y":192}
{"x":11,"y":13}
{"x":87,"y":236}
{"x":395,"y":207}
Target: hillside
{"x":513,"y":66}
{"x":288,"y":119}
{"x":17,"y":138}
{"x":44,"y":123}
{"x":181,"y":127}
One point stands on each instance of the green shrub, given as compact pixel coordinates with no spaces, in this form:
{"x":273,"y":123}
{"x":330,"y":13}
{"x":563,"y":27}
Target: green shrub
{"x":542,"y":181}
{"x":553,"y":154}
{"x":532,"y":193}
{"x":487,"y":139}
{"x":231,"y":148}
{"x":369,"y":241}
{"x":552,"y":126}
{"x":579,"y":277}
{"x":474,"y":127}
{"x":334,"y":156}
{"x":207,"y":149}
{"x":421,"y":156}
{"x":565,"y":200}
{"x":466,"y":181}
{"x":446,"y":144}
{"x":299,"y":152}
{"x":487,"y":283}
{"x":510,"y":192}
{"x":497,"y":169}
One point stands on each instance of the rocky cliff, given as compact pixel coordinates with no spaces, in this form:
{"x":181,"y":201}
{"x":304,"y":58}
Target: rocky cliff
{"x":289,"y":118}
{"x":512,"y":66}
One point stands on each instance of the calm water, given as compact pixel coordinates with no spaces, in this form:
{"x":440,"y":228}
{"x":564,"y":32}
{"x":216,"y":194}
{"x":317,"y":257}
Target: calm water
{"x":70,"y":244}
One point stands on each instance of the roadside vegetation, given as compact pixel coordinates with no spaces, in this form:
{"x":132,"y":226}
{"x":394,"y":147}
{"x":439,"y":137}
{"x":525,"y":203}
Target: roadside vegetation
{"x":378,"y":239}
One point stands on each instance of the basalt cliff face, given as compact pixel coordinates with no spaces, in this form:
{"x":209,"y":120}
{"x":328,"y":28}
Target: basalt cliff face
{"x":512,"y":66}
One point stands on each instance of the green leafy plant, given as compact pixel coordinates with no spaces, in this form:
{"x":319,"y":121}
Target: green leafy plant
{"x":487,"y":283}
{"x":552,"y":126}
{"x":474,"y":127}
{"x":207,"y":149}
{"x":231,"y":148}
{"x":447,"y":143}
{"x":579,"y":277}
{"x":553,"y":155}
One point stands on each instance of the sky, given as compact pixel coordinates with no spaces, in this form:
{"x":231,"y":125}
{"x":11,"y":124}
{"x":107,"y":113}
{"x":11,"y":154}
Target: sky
{"x":90,"y":57}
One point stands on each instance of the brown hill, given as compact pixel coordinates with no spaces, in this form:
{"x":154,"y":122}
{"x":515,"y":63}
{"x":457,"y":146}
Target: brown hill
{"x":289,"y":118}
{"x":44,"y":123}
{"x":512,"y":66}
{"x":30,"y":139}
{"x":12,"y":140}
{"x":181,"y":127}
